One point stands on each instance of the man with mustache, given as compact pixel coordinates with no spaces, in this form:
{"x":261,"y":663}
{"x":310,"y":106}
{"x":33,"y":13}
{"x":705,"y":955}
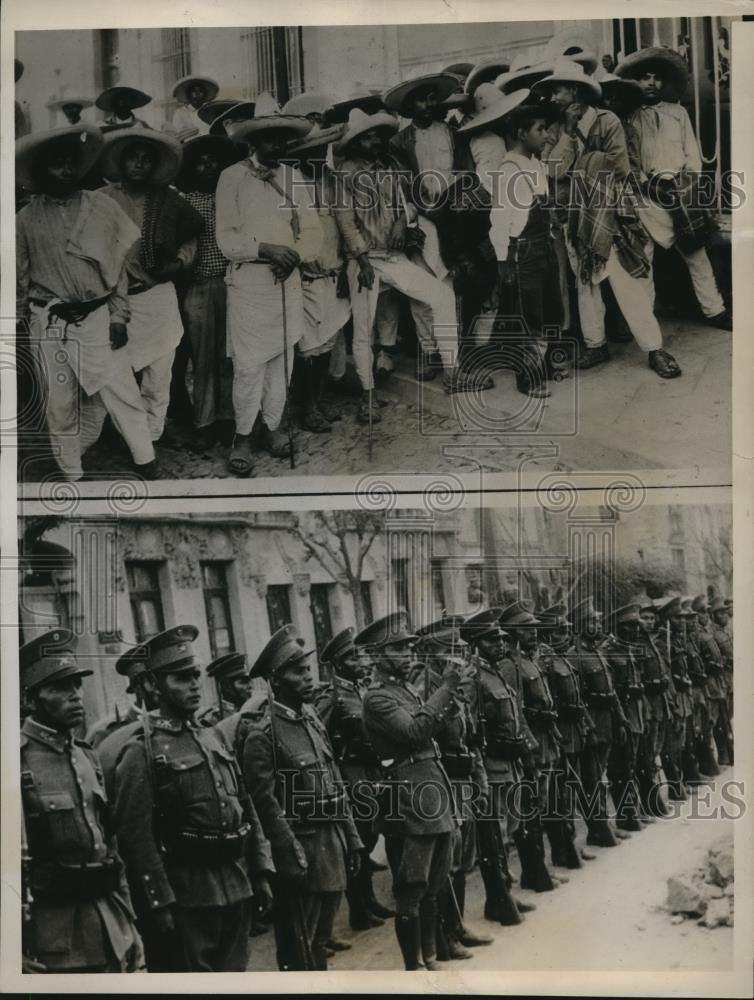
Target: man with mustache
{"x":80,"y":917}
{"x":669,"y":154}
{"x":188,"y":832}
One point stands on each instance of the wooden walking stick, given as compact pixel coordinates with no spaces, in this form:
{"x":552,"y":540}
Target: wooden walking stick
{"x":285,"y":370}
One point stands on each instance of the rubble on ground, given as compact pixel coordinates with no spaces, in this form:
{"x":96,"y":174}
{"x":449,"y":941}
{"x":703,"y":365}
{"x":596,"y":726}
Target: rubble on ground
{"x":706,"y":893}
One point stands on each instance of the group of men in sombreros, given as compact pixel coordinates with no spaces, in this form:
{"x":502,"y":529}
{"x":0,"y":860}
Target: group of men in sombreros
{"x":453,"y":742}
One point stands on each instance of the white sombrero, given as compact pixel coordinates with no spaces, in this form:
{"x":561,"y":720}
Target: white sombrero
{"x":485,"y":72}
{"x":61,"y":102}
{"x":293,"y":124}
{"x":569,"y":72}
{"x":490,"y":105}
{"x":360,"y":122}
{"x":308,"y":103}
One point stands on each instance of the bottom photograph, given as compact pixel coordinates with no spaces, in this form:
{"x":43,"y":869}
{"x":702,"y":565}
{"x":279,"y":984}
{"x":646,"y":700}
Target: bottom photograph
{"x":489,"y":738}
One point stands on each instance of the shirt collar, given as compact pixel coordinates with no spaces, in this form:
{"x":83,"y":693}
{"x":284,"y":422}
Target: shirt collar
{"x":43,"y":734}
{"x":586,"y":121}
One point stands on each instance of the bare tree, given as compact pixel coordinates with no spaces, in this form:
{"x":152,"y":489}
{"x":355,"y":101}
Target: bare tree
{"x":717,"y":551}
{"x":340,"y":540}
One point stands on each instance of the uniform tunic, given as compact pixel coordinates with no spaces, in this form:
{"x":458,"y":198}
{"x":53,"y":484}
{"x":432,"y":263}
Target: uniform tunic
{"x":507,"y":737}
{"x":198,"y":788}
{"x":563,"y":680}
{"x":65,"y":811}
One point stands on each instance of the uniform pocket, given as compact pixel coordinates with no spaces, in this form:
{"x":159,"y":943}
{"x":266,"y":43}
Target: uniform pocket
{"x":187,"y":779}
{"x":59,"y":810}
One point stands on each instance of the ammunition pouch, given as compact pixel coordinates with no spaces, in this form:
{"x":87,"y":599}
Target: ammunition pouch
{"x":506,"y":747}
{"x":541,"y":718}
{"x":458,"y":765}
{"x":63,"y":883}
{"x":572,"y":712}
{"x":308,"y":809}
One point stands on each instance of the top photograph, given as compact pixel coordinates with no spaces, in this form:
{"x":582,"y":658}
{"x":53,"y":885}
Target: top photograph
{"x":331,"y":251}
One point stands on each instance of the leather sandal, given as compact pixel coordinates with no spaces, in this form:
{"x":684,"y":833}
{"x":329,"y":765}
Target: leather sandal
{"x":664,"y":364}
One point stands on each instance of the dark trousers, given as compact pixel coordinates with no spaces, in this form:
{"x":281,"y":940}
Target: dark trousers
{"x":214,"y":938}
{"x":204,"y":318}
{"x":594,"y":760}
{"x":420,"y":865}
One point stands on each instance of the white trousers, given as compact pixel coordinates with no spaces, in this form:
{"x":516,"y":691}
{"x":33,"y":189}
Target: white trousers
{"x":702,"y":277}
{"x":155,"y":392}
{"x":633,"y":295}
{"x":74,"y":420}
{"x":421,"y":287}
{"x":259,"y":387}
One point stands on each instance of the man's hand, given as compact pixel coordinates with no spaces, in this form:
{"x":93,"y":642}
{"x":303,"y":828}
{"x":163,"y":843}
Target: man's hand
{"x":454,"y":673}
{"x":162,"y":920}
{"x":366,"y":274}
{"x":118,"y":336}
{"x":397,"y":238}
{"x":573,"y":115}
{"x":505,"y":272}
{"x":282,"y":259}
{"x":262,"y":893}
{"x":354,"y":864}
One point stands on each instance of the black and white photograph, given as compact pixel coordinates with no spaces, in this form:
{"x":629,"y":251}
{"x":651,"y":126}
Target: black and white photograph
{"x":301,"y":251}
{"x":399,"y":738}
{"x":376,"y":465}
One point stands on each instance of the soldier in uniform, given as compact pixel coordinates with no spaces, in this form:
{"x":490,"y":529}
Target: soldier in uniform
{"x":658,"y":694}
{"x":418,"y":827}
{"x":340,"y":706}
{"x":459,"y":742}
{"x":712,"y":693}
{"x":293,"y":777}
{"x":695,"y":753}
{"x":524,"y":675}
{"x":187,"y":830}
{"x":719,"y":627}
{"x":624,"y":657}
{"x":80,"y":917}
{"x":506,"y":746}
{"x":606,"y":714}
{"x":674,"y":757}
{"x":574,"y":726}
{"x":230,"y":674}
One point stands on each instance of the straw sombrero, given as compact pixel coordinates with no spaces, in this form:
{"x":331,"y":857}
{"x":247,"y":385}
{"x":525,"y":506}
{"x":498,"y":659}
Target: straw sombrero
{"x":360,"y":122}
{"x":490,"y":105}
{"x":136,"y":98}
{"x":362,"y":98}
{"x":671,"y":65}
{"x":168,"y":149}
{"x":238,"y":113}
{"x":485,"y":72}
{"x":628,"y":89}
{"x":567,"y":71}
{"x":31,"y":146}
{"x":210,"y":110}
{"x":319,"y":136}
{"x":181,"y":89}
{"x":222,"y":146}
{"x":523,"y":73}
{"x":61,"y":102}
{"x":397,"y":97}
{"x":308,"y":103}
{"x":247,"y":131}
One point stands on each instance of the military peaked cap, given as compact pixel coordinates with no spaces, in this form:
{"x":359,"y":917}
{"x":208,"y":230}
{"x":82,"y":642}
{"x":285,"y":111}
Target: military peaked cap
{"x":50,"y":657}
{"x":340,"y":646}
{"x":482,"y":625}
{"x":228,"y":665}
{"x":390,"y":630}
{"x":282,"y":650}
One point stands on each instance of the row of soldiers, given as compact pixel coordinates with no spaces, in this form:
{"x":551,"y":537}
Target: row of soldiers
{"x":172,"y":834}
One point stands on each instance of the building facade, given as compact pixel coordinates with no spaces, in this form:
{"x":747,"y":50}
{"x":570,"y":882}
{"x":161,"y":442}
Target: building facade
{"x":239,"y":577}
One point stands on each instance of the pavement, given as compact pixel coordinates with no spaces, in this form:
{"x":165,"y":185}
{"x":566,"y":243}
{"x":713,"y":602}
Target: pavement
{"x":616,"y":416}
{"x":608,"y":917}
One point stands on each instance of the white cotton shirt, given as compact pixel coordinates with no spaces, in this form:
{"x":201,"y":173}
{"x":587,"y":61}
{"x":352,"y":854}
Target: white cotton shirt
{"x":667,"y":140}
{"x":520,"y":178}
{"x":186,"y":118}
{"x":488,"y":150}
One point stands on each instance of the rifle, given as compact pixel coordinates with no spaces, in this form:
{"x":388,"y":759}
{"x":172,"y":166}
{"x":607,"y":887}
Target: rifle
{"x":26,"y":896}
{"x":293,"y":944}
{"x":219,"y":693}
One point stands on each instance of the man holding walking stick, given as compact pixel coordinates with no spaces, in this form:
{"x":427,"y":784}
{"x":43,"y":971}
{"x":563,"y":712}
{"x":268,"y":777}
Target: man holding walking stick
{"x":267,"y":226}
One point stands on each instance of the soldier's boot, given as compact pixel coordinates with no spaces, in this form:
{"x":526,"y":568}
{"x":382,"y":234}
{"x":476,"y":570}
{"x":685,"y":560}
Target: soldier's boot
{"x":566,"y":855}
{"x":650,"y":790}
{"x":373,"y":905}
{"x":534,"y":873}
{"x":448,"y":945}
{"x":499,"y":905}
{"x":677,"y":791}
{"x":407,"y":933}
{"x":691,"y":773}
{"x":626,"y":818}
{"x":428,"y":932}
{"x":469,"y":939}
{"x":359,"y":916}
{"x":721,"y":742}
{"x":706,"y":757}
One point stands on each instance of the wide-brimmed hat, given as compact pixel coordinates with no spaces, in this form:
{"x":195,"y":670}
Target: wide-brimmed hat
{"x":360,"y":122}
{"x":309,"y":103}
{"x":181,"y":89}
{"x":319,"y":136}
{"x":238,"y":113}
{"x":168,"y":149}
{"x":628,"y":89}
{"x":361,"y":98}
{"x":210,"y":110}
{"x":135,"y":98}
{"x":61,"y":102}
{"x":523,"y":72}
{"x":671,"y":65}
{"x":292,"y":124}
{"x":490,"y":105}
{"x":88,"y":139}
{"x":461,"y":69}
{"x":223,"y":147}
{"x":567,"y":71}
{"x":397,"y":98}
{"x":485,"y":72}
{"x":576,"y":49}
